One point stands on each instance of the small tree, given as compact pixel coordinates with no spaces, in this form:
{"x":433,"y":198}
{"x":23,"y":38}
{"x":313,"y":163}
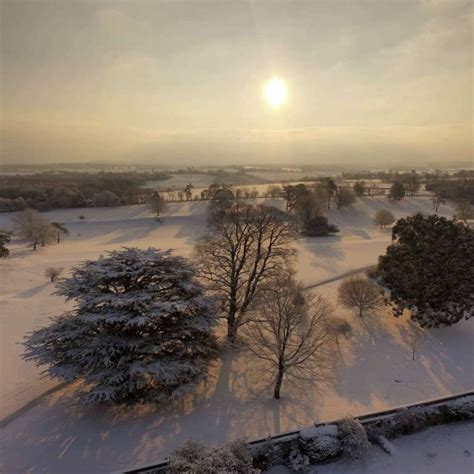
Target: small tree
{"x":52,"y":273}
{"x":428,"y":270}
{"x":157,"y":204}
{"x":242,"y":253}
{"x":289,"y":331}
{"x":437,"y":199}
{"x":344,"y":197}
{"x":33,"y":228}
{"x":383,"y":218}
{"x":60,"y":229}
{"x":360,"y":293}
{"x":141,"y":329}
{"x":397,"y":191}
{"x":359,"y":188}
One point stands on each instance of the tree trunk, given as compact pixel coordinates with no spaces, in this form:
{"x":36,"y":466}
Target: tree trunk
{"x":360,"y":312}
{"x":35,"y":243}
{"x":52,"y":279}
{"x":231,"y":328}
{"x":279,"y":380}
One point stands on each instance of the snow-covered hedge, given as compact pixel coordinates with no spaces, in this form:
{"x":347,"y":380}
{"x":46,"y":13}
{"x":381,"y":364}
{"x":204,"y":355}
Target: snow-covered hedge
{"x":195,"y":458}
{"x":318,"y":444}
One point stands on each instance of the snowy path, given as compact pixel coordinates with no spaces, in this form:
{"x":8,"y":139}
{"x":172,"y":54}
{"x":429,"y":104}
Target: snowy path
{"x":337,"y":278}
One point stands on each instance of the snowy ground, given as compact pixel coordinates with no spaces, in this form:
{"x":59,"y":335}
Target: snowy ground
{"x":375,"y":367}
{"x":439,"y":450}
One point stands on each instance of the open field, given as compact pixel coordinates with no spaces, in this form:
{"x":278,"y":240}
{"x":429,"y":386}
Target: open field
{"x":375,"y":369}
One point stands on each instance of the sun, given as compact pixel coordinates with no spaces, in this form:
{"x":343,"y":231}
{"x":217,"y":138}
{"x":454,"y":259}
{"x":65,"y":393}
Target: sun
{"x":275,"y":92}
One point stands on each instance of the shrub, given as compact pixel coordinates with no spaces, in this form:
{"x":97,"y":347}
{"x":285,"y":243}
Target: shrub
{"x":318,"y":227}
{"x":353,"y":437}
{"x":193,"y":457}
{"x":320,"y":443}
{"x":297,"y":460}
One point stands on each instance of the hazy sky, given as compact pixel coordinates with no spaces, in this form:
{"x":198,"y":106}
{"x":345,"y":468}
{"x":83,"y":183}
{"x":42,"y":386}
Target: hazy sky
{"x":181,"y":81}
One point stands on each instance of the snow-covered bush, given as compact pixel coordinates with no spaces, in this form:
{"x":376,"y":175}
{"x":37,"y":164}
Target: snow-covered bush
{"x":195,"y":458}
{"x":462,"y":408}
{"x":297,"y":460}
{"x":320,"y":443}
{"x":353,"y":437}
{"x":268,"y":454}
{"x":141,"y":329}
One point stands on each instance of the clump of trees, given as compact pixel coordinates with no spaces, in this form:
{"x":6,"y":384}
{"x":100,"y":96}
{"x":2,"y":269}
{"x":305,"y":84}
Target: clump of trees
{"x":344,"y":197}
{"x":47,"y":190}
{"x":242,"y":253}
{"x":222,"y":200}
{"x":289,"y":331}
{"x":105,"y":199}
{"x":359,"y":188}
{"x":52,"y":273}
{"x":397,"y":191}
{"x":141,"y":330}
{"x":32,"y":227}
{"x":428,"y":270}
{"x":361,"y":294}
{"x":383,"y":218}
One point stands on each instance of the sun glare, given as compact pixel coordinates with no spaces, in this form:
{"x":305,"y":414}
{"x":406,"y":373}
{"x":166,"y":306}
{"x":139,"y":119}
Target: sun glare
{"x":275,"y":92}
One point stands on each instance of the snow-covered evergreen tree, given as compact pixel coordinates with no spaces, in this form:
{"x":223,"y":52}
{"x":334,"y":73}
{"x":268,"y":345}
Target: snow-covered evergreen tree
{"x":142,"y":328}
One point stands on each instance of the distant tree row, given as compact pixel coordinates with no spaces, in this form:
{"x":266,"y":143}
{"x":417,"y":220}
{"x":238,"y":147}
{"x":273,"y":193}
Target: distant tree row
{"x":44,"y":191}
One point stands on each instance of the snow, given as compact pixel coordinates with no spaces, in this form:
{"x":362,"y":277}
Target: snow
{"x":437,"y":450}
{"x":375,"y":368}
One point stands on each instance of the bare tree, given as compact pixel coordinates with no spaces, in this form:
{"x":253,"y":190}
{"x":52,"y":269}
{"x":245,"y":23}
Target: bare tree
{"x":344,"y":197}
{"x":437,"y":199}
{"x":241,"y":254}
{"x":157,"y":204}
{"x":360,"y":293}
{"x":31,"y":227}
{"x":464,"y":210}
{"x":290,"y":333}
{"x":52,"y":273}
{"x":383,"y":218}
{"x":60,"y":229}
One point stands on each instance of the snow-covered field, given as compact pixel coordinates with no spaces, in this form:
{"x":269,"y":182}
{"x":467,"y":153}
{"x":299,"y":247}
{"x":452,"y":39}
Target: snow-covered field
{"x":439,"y":450}
{"x":375,"y":369}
